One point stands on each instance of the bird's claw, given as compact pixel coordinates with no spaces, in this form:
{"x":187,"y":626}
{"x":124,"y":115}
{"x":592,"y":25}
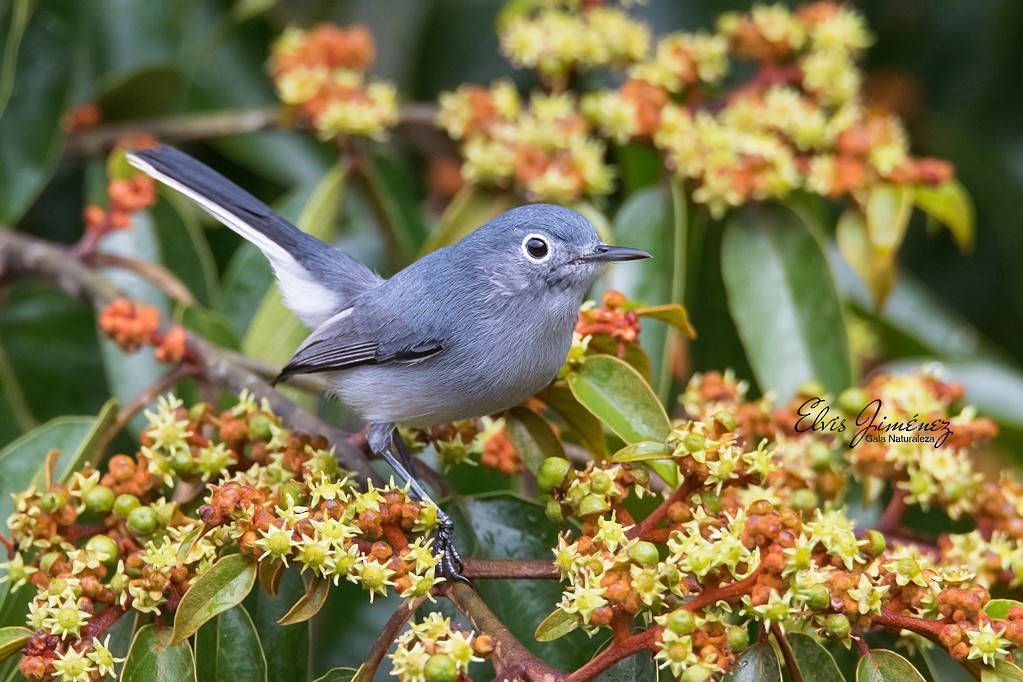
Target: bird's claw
{"x":451,"y":565}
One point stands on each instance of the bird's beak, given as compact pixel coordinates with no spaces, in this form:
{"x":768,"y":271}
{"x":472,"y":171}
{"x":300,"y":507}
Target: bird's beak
{"x":607,"y":253}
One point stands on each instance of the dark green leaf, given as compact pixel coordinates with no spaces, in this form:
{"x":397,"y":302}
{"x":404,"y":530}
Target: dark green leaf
{"x":147,"y":92}
{"x":87,"y":448}
{"x":950,"y":204}
{"x":1002,"y":671}
{"x":209,"y":324}
{"x":759,"y":663}
{"x":783,"y":301}
{"x":309,"y":604}
{"x":223,"y":586}
{"x":20,"y":11}
{"x":12,"y":639}
{"x":642,"y":452}
{"x":227,"y":649}
{"x":22,"y":460}
{"x":502,"y":526}
{"x":881,"y":665}
{"x":286,"y":647}
{"x":943,"y":667}
{"x":555,"y":626}
{"x":532,"y":437}
{"x":674,"y":314}
{"x":246,"y":281}
{"x":340,"y":675}
{"x":579,"y":420}
{"x":387,"y":184}
{"x":184,"y":249}
{"x":30,"y":124}
{"x":815,"y":663}
{"x":639,"y":666}
{"x":153,"y":658}
{"x":618,"y":396}
{"x":999,"y":608}
{"x":633,"y":354}
{"x":275,"y":332}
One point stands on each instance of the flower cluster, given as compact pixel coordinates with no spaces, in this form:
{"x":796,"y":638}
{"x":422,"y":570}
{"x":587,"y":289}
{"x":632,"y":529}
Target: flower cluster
{"x":131,"y":325}
{"x":433,"y":650}
{"x":545,"y":148}
{"x":130,"y":194}
{"x":463,"y":441}
{"x":322,"y":72}
{"x":751,"y":530}
{"x":561,"y":38}
{"x":613,"y":319}
{"x":107,"y":543}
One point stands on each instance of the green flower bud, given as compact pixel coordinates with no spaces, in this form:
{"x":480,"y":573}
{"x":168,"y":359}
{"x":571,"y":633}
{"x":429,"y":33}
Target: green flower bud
{"x":553,"y":472}
{"x":820,"y":456}
{"x":681,"y":622}
{"x":100,"y":499}
{"x":46,"y":561}
{"x":601,"y":482}
{"x":852,"y":400}
{"x":726,"y":419}
{"x":644,"y":553}
{"x":694,"y":442}
{"x":182,"y":462}
{"x":142,"y":521}
{"x":712,"y":501}
{"x":876,"y":542}
{"x":811,"y":388}
{"x":260,"y":427}
{"x":696,"y":673}
{"x":52,"y":501}
{"x":125,"y":503}
{"x":804,"y":499}
{"x":291,"y":494}
{"x":440,"y":668}
{"x":165,"y":513}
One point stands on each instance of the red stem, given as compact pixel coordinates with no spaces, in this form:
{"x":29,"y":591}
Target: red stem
{"x":650,"y":522}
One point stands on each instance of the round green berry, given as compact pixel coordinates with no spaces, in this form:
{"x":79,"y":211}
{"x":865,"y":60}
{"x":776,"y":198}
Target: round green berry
{"x":142,"y":520}
{"x":99,"y":499}
{"x":837,"y":626}
{"x":712,"y":502}
{"x":103,"y":547}
{"x":553,"y":510}
{"x":291,"y":494}
{"x":726,"y":419}
{"x":600,"y":482}
{"x":818,"y":597}
{"x":440,"y":668}
{"x":260,"y":427}
{"x":124,"y":504}
{"x":644,"y":553}
{"x":52,"y":501}
{"x":694,"y":442}
{"x":876,"y":541}
{"x":696,"y":673}
{"x":804,"y":499}
{"x":852,"y":400}
{"x":552,"y":473}
{"x":738,"y":638}
{"x":681,"y":622}
{"x":820,"y":456}
{"x":593,"y":504}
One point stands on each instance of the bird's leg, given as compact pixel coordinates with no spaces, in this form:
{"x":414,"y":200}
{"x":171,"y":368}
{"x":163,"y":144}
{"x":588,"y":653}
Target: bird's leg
{"x":384,"y":439}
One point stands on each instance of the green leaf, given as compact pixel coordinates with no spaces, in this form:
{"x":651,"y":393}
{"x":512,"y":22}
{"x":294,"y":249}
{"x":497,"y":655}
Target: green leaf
{"x":887,"y":211}
{"x":247,"y":280}
{"x":13,"y":639}
{"x":816,"y":664}
{"x":222,"y":587}
{"x":286,"y":647}
{"x":470,"y":208}
{"x":20,"y":11}
{"x":579,"y":420}
{"x":43,"y":78}
{"x":22,"y":460}
{"x":882,"y":665}
{"x":999,"y":608}
{"x":674,"y":314}
{"x":632,"y":354}
{"x":87,"y":448}
{"x":949,"y":204}
{"x":209,"y":324}
{"x":146,"y":92}
{"x":340,"y":675}
{"x":556,"y":626}
{"x":227,"y":649}
{"x":644,"y":451}
{"x":270,"y":573}
{"x":503,"y":526}
{"x":532,"y":437}
{"x":1003,"y":671}
{"x":784,"y":302}
{"x":184,"y":249}
{"x":616,"y":394}
{"x":387,"y":183}
{"x":275,"y":332}
{"x":759,"y":663}
{"x":154,"y":658}
{"x":309,"y":604}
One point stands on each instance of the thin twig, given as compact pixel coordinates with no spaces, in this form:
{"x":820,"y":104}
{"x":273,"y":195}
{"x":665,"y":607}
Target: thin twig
{"x":510,"y":569}
{"x":154,"y":273}
{"x":387,"y":636}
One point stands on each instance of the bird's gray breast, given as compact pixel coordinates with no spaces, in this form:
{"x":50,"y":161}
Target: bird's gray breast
{"x":498,"y":349}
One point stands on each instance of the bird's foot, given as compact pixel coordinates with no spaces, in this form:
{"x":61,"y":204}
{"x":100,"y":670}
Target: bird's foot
{"x":451,"y":565}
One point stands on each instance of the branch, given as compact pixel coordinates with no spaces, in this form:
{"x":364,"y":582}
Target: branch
{"x":510,"y":569}
{"x":509,"y":654}
{"x":387,"y":636}
{"x":22,"y":255}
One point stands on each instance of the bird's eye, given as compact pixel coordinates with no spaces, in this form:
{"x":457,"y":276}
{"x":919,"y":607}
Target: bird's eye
{"x":535,"y":247}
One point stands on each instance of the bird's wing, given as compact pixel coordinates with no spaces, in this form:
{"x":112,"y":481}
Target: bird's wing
{"x":316,"y":279}
{"x":342,"y":343}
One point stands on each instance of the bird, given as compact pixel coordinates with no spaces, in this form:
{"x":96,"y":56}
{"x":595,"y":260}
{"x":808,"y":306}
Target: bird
{"x":468,"y":330}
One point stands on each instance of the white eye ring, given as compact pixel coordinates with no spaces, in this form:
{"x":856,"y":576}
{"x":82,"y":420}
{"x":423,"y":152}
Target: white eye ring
{"x":529,"y":250}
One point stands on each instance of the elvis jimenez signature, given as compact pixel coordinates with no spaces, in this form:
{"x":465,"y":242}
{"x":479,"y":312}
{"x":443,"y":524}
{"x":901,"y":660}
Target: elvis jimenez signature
{"x":872,"y":425}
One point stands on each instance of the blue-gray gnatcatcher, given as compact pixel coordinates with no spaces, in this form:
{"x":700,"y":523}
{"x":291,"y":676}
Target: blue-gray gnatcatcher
{"x":468,"y":330}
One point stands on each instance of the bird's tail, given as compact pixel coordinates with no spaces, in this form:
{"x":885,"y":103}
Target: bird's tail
{"x":316,"y":279}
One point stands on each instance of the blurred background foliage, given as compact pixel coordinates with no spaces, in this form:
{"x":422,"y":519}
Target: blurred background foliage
{"x":949,"y":68}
